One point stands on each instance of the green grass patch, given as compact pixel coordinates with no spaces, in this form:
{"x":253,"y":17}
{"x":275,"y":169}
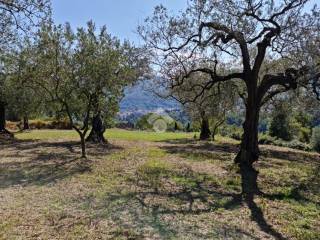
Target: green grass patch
{"x":109,"y":134}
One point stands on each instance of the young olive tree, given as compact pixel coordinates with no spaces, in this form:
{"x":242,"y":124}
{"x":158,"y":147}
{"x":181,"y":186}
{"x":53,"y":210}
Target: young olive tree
{"x":211,"y":108}
{"x":23,"y":99}
{"x":125,"y":68}
{"x":84,"y":72}
{"x":17,"y":18}
{"x":239,"y":34}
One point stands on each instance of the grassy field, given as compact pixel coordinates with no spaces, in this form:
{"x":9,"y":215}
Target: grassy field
{"x":164,"y":186}
{"x":110,"y":134}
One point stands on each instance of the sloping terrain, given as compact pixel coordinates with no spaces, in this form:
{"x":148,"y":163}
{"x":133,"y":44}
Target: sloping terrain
{"x":155,"y":188}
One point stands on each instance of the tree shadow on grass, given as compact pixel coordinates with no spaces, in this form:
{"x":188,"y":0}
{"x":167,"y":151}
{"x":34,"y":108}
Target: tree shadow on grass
{"x":289,"y":154}
{"x":257,"y":215}
{"x":27,"y":163}
{"x":298,"y":192}
{"x":186,"y":146}
{"x":188,"y":195}
{"x":140,"y":213}
{"x":215,"y":151}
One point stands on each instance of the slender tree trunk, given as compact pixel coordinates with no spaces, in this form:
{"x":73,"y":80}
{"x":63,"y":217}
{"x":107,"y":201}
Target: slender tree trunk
{"x":26,"y":123}
{"x":83,"y":146}
{"x":97,"y":131}
{"x":205,"y":130}
{"x":3,"y":129}
{"x":2,"y":117}
{"x":249,"y":149}
{"x":214,"y":133}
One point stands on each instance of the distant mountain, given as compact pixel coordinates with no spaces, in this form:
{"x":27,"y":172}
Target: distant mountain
{"x":139,"y":101}
{"x":137,"y":98}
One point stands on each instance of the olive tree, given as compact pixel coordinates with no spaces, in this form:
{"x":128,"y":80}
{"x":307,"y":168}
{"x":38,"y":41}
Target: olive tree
{"x":23,"y":99}
{"x":240,"y":35}
{"x":211,"y":108}
{"x":17,"y":18}
{"x":84,"y":72}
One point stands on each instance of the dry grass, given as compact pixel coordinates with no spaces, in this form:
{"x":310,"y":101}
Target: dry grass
{"x":175,"y":189}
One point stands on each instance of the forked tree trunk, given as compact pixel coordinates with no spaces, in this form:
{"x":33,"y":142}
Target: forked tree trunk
{"x":249,"y":149}
{"x":97,"y":131}
{"x":26,"y":123}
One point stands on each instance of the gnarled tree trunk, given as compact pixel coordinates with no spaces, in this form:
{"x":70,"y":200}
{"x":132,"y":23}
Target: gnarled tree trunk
{"x":97,"y":131}
{"x":205,"y":129}
{"x":249,"y":148}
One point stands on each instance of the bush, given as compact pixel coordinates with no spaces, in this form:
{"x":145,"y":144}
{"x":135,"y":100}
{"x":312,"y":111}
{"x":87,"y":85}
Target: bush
{"x":295,"y":144}
{"x":61,"y":124}
{"x":12,"y":125}
{"x":280,"y":125}
{"x":231,"y":131}
{"x":266,"y":139}
{"x":56,"y":124}
{"x":315,"y":139}
{"x":304,"y":134}
{"x":39,"y":124}
{"x":175,"y":126}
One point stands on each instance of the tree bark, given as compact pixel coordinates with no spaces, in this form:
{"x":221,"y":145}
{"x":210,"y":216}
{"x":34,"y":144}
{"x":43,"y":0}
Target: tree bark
{"x":83,"y":146}
{"x":2,"y":117}
{"x":97,"y":131}
{"x":26,"y":123}
{"x":205,"y":129}
{"x":249,"y":148}
{"x":3,"y":129}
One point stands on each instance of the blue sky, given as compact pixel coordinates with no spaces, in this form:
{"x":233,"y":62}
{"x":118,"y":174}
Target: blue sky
{"x":120,"y":16}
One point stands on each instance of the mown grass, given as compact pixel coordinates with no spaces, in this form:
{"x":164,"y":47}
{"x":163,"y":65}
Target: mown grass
{"x":160,"y":188}
{"x":109,"y":134}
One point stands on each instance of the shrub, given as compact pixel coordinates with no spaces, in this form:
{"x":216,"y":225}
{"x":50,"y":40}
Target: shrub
{"x":175,"y":126}
{"x":39,"y":124}
{"x":304,"y":134}
{"x":61,"y":124}
{"x":266,"y":139}
{"x":280,"y":125}
{"x":56,"y":124}
{"x":231,"y":131}
{"x":12,"y":125}
{"x":315,"y":139}
{"x":143,"y":124}
{"x":295,"y":144}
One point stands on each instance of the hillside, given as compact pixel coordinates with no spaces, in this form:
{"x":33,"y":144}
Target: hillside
{"x":139,"y":99}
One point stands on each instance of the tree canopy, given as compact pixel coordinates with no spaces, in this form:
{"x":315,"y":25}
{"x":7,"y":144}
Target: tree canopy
{"x":240,"y":36}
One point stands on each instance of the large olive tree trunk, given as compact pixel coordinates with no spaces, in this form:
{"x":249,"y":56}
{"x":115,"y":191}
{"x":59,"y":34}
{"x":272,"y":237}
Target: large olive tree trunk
{"x":205,"y":128}
{"x":97,"y":131}
{"x":249,"y":148}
